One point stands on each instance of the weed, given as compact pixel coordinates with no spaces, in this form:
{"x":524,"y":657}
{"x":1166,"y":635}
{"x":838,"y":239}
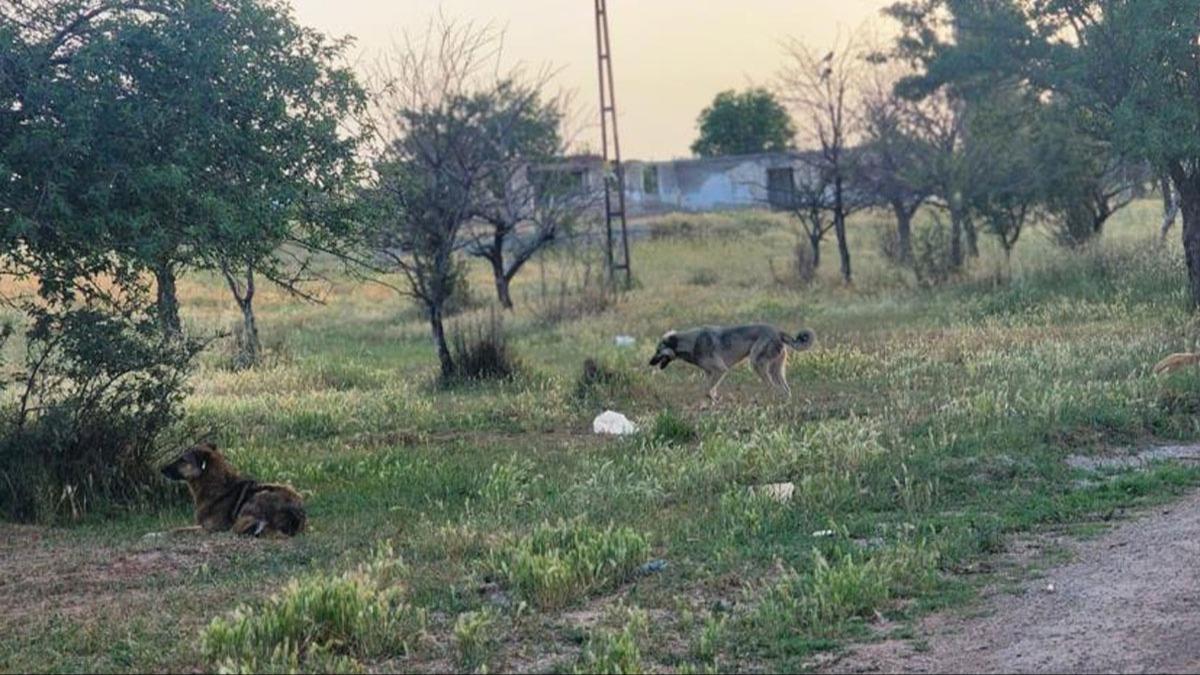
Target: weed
{"x":616,"y":652}
{"x":347,"y":617}
{"x":558,"y":564}
{"x":475,"y":639}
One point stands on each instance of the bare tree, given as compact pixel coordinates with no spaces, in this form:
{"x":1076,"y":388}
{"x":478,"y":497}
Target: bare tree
{"x":823,"y":92}
{"x":432,"y":116}
{"x":530,"y":196}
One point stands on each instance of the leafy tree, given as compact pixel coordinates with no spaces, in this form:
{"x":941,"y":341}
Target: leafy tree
{"x":1130,"y":69}
{"x":225,"y":143}
{"x":743,"y":123}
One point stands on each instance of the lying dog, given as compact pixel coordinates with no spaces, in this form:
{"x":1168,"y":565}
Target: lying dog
{"x":716,"y":349}
{"x":226,"y":501}
{"x":1175,"y":362}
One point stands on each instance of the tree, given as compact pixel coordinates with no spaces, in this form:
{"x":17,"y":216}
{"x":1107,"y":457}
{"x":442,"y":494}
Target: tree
{"x":1130,"y":68}
{"x":525,"y":203}
{"x":743,"y":123}
{"x":1005,"y":128}
{"x":894,"y":166}
{"x":227,"y":139}
{"x":433,"y":155}
{"x":823,"y":92}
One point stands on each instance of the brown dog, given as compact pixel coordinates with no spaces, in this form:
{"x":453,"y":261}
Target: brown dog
{"x":226,"y":501}
{"x":1175,"y":362}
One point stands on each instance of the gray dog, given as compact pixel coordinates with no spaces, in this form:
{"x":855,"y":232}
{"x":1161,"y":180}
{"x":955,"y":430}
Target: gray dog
{"x":716,"y":349}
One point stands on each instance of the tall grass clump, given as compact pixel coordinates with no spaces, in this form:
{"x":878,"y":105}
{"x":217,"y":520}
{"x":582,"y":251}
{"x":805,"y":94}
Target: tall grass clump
{"x":480,"y":351}
{"x":821,"y":601}
{"x":616,"y":652}
{"x":557,"y":564}
{"x":319,"y":621}
{"x":671,"y":428}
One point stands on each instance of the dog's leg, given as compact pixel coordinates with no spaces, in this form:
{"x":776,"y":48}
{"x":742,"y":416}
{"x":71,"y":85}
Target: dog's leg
{"x":778,"y":370}
{"x":717,"y":371}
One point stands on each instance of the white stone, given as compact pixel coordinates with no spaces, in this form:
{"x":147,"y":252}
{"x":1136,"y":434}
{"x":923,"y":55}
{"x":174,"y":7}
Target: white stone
{"x":612,"y":422}
{"x":625,"y":341}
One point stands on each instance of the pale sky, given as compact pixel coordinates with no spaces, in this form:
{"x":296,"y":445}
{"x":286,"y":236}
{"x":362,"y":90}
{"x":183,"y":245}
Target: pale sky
{"x":670,"y":57}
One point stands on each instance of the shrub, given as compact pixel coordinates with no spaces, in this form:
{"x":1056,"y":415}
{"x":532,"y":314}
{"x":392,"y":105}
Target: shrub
{"x":98,"y":395}
{"x":556,"y":564}
{"x":480,"y":352}
{"x":320,"y":622}
{"x":931,"y":262}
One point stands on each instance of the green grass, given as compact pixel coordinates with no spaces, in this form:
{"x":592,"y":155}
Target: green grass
{"x":925,"y":427}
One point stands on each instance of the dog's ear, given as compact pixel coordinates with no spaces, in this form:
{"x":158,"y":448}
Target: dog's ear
{"x":670,"y":340}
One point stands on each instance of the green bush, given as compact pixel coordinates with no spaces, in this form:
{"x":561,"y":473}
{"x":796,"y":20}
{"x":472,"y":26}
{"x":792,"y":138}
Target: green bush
{"x":557,"y":564}
{"x":85,"y":429}
{"x":319,"y":621}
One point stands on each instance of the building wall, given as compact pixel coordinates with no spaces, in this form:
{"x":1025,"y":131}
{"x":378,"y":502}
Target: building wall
{"x":708,"y":184}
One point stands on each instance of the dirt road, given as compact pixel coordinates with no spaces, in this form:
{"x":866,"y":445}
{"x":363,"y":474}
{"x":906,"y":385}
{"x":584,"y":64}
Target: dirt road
{"x":1129,"y":602}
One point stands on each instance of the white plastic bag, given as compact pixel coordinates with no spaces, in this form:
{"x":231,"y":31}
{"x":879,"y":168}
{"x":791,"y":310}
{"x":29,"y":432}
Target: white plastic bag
{"x":612,"y":422}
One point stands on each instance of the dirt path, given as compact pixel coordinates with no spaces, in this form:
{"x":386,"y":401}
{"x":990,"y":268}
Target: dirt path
{"x":1129,"y":601}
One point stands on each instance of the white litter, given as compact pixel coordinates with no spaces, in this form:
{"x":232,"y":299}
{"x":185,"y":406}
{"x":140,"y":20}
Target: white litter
{"x":823,"y":533}
{"x":1049,"y":588}
{"x":612,"y":422}
{"x":625,"y":341}
{"x":780,"y":492}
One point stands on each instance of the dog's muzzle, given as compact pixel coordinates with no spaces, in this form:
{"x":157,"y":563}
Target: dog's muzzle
{"x":172,"y":472}
{"x":660,"y":360}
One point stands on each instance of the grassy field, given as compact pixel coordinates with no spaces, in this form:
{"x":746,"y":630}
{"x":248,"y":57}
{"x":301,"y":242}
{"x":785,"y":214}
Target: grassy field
{"x":486,"y":528}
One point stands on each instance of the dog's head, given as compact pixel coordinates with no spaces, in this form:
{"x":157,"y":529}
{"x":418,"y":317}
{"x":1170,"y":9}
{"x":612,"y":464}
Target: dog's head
{"x":194,"y":462}
{"x":665,"y":352}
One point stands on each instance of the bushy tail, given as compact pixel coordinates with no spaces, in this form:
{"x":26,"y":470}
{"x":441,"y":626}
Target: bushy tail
{"x":803,"y":340}
{"x":1175,"y":362}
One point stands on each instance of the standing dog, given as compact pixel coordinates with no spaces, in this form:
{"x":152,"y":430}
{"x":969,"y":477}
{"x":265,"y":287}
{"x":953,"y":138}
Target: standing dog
{"x":716,"y":349}
{"x":226,"y":501}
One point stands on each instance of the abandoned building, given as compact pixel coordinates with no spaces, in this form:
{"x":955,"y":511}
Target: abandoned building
{"x":714,"y":183}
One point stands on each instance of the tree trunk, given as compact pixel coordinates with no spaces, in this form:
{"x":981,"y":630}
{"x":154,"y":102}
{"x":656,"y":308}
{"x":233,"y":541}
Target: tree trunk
{"x":1170,"y":205}
{"x":1188,"y":189}
{"x":956,"y":233}
{"x":251,"y":347}
{"x":496,"y":258}
{"x":815,"y":240}
{"x":839,"y":226}
{"x":439,"y":341}
{"x":972,"y":237}
{"x":167,"y":302}
{"x":903,"y":230}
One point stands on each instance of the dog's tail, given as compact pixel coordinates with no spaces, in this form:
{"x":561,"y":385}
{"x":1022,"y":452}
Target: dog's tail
{"x":803,"y":340}
{"x":1175,"y":362}
{"x":291,"y":519}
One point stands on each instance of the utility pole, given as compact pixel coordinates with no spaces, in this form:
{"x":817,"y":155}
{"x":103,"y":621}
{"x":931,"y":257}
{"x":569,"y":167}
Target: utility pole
{"x":614,"y":182}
